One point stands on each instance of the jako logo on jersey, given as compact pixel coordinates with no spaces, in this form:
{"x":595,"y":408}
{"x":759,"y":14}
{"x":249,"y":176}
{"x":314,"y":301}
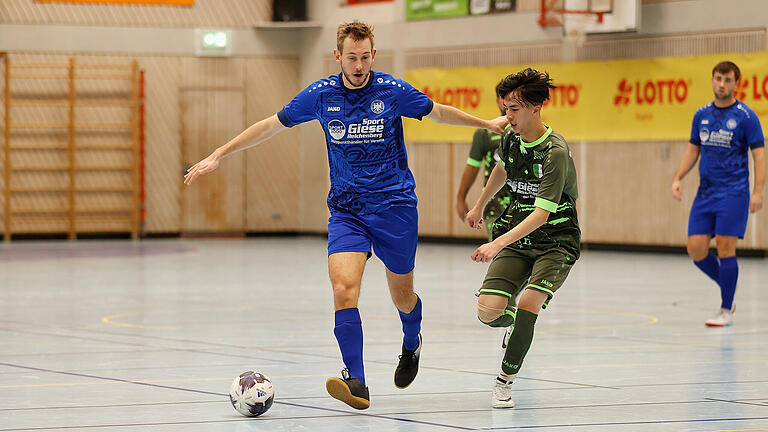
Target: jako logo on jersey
{"x":565,"y":95}
{"x":337,"y":129}
{"x":460,"y":97}
{"x":651,"y":92}
{"x":377,"y":106}
{"x":334,"y":109}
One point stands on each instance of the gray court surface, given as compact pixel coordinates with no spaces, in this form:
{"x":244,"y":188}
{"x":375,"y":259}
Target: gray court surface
{"x":148,"y":336}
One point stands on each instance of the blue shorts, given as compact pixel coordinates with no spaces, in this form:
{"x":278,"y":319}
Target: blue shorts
{"x":726,"y":216}
{"x":393,"y":234}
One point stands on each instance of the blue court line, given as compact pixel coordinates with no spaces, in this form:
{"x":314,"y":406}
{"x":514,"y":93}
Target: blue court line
{"x":649,"y":422}
{"x":741,"y":401}
{"x":225,"y":395}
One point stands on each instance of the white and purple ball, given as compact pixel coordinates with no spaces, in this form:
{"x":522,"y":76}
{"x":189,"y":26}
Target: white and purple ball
{"x":251,"y":394}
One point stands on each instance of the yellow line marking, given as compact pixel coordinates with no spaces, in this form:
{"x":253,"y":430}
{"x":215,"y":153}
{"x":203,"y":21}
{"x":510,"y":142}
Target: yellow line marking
{"x":109,"y":320}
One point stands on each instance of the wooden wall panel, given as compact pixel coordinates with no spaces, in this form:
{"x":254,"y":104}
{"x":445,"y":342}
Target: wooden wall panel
{"x":223,"y":13}
{"x":627,"y":188}
{"x":273,"y":199}
{"x":163,"y":159}
{"x":216,"y":201}
{"x":427,"y":162}
{"x":619,"y":47}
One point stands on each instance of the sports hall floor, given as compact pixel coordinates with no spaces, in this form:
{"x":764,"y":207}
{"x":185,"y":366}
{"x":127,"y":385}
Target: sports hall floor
{"x":147,"y":336}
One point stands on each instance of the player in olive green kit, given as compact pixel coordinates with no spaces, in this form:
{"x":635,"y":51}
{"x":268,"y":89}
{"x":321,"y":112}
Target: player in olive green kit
{"x":536,"y":240}
{"x":485,"y":150}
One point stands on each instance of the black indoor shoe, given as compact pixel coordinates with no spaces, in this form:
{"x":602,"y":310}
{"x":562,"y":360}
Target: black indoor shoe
{"x":349,"y":390}
{"x":408,"y":367}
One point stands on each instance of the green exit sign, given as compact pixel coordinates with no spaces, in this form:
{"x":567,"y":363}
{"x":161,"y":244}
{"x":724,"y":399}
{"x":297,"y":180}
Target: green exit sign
{"x":215,"y":39}
{"x":213,"y":42}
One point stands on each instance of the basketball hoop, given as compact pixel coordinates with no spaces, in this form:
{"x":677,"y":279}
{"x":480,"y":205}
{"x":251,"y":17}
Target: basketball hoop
{"x":548,"y":7}
{"x":576,"y":21}
{"x":575,"y":32}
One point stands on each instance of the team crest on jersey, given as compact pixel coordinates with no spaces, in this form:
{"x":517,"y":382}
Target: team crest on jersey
{"x":731,"y":124}
{"x":703,"y":134}
{"x":537,"y":170}
{"x":337,"y":129}
{"x":377,"y":106}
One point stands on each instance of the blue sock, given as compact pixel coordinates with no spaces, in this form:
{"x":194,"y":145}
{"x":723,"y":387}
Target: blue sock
{"x":710,"y":266}
{"x":411,"y":326}
{"x":349,"y":333}
{"x":729,"y":274}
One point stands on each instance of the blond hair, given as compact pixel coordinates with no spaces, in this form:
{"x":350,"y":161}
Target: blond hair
{"x":356,"y":30}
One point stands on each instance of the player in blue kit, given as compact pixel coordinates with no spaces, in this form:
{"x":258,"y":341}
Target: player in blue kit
{"x":723,"y":132}
{"x":371,"y":200}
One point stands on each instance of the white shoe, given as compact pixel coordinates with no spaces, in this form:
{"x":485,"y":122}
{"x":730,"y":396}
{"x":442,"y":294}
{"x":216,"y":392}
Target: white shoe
{"x":507,"y":334}
{"x":723,"y":318}
{"x":502,"y":394}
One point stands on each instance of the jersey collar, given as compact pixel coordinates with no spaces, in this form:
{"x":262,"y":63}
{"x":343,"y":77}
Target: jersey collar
{"x":524,"y":145}
{"x":368,"y":84}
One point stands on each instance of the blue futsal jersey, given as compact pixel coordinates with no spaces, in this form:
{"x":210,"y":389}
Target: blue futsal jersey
{"x":364,"y":135}
{"x":725,"y":136}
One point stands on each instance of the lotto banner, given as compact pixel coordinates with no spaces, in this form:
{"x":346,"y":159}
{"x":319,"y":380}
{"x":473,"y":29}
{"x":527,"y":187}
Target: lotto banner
{"x":145,"y":2}
{"x":621,"y":100}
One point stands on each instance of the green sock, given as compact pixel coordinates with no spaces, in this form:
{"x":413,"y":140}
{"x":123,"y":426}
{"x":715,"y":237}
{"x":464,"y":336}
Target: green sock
{"x":519,"y":342}
{"x":506,"y":319}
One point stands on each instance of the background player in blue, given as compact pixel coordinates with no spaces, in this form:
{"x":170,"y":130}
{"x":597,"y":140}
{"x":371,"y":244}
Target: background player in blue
{"x":372,"y":200}
{"x":722,"y":132}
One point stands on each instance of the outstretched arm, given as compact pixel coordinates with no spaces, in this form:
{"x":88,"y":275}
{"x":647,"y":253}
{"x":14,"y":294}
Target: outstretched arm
{"x":690,"y":157}
{"x":255,"y":134}
{"x":450,"y":115}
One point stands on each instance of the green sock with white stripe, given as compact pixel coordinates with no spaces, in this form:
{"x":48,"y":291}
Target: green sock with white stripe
{"x":519,"y":342}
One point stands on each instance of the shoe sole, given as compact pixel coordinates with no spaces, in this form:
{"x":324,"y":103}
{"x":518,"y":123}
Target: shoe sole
{"x":338,"y":389}
{"x":406,"y":386}
{"x":503,"y":406}
{"x":716,"y":325}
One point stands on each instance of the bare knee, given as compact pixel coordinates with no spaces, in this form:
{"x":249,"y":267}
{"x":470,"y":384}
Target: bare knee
{"x":698,"y":249}
{"x":532,"y":300}
{"x":401,"y":291}
{"x":345,"y":295}
{"x":726,"y":246}
{"x":490,"y":308}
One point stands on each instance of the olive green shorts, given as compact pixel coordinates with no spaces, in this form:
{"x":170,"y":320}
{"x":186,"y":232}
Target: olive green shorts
{"x":513,"y":270}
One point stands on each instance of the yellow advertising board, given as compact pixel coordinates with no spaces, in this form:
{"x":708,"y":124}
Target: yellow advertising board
{"x":620,"y":100}
{"x":144,"y":2}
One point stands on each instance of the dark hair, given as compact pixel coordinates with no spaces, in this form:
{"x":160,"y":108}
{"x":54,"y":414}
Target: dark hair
{"x":498,"y":89}
{"x":726,"y":66}
{"x":355,"y":29}
{"x":531,"y":85}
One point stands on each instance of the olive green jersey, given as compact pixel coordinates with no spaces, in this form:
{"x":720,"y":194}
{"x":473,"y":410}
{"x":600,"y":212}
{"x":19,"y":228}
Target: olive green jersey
{"x":540,"y":174}
{"x":485,"y":151}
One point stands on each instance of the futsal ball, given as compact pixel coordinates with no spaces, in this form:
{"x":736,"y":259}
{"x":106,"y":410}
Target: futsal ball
{"x":251,"y":394}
